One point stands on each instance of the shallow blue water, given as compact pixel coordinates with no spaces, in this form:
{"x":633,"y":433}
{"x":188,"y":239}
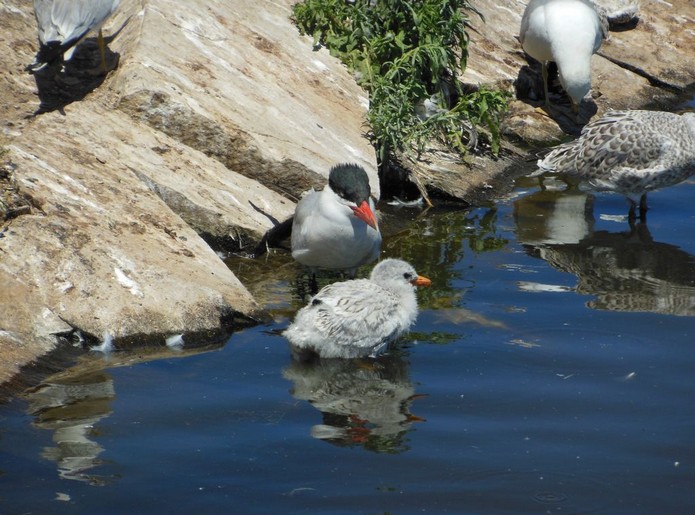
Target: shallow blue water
{"x":552,"y":369}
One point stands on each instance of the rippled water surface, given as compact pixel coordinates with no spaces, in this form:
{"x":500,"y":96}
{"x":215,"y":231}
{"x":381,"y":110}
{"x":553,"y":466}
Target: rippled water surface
{"x":552,"y":369}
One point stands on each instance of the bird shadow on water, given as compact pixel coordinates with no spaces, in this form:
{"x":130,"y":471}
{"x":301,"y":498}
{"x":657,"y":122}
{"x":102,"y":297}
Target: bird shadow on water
{"x":62,"y":83}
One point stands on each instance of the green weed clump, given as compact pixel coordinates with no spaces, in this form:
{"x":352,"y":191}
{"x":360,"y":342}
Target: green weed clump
{"x":407,"y":55}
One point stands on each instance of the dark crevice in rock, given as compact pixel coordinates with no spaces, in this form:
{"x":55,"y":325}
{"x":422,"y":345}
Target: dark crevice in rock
{"x":206,"y":222}
{"x":653,"y":80}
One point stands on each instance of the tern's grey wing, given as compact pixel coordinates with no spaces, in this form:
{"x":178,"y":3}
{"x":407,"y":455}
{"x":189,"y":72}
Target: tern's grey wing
{"x":302,"y":213}
{"x":306,"y":206}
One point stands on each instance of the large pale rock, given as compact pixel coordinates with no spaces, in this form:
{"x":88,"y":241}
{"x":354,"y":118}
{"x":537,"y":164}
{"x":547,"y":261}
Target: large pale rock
{"x":218,"y":116}
{"x":234,"y":80}
{"x":28,"y":328}
{"x":101,"y":250}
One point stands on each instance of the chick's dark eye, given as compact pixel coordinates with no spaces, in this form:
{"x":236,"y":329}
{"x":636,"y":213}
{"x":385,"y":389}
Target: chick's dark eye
{"x":408,"y":276}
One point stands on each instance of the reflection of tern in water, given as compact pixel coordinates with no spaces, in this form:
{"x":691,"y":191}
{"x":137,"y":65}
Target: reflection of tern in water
{"x":71,"y":408}
{"x":625,"y":271}
{"x":71,"y":403}
{"x":364,"y":402}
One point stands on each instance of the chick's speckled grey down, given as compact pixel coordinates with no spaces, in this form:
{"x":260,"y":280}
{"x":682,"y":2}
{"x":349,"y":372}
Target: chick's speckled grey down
{"x":356,"y":318}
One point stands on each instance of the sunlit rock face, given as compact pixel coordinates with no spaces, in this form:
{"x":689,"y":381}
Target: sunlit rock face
{"x":216,"y":118}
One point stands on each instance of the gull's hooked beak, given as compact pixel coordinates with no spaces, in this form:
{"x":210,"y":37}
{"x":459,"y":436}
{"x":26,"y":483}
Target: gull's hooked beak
{"x":364,"y":213}
{"x":421,"y":281}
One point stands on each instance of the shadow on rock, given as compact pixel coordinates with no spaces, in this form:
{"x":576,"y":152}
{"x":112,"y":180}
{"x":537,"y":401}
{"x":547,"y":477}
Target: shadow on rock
{"x":62,"y":83}
{"x":529,"y":88}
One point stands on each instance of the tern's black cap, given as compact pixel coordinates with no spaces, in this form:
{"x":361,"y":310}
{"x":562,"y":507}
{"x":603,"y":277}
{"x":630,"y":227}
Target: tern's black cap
{"x":350,"y":182}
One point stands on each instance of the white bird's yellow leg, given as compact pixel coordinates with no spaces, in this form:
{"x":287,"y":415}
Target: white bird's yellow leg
{"x":544,"y":71}
{"x":102,"y":51}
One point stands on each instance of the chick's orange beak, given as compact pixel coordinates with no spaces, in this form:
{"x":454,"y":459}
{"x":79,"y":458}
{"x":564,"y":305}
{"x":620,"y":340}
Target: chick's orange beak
{"x":364,"y":213}
{"x":421,"y":281}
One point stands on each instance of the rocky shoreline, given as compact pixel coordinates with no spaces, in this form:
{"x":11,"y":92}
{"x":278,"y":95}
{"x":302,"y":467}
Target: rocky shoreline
{"x":218,"y":116}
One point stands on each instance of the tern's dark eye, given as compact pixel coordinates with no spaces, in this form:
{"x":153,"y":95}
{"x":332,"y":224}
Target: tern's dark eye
{"x":408,"y":276}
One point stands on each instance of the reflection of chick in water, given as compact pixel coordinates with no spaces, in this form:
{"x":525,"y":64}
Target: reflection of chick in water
{"x":363,"y":401}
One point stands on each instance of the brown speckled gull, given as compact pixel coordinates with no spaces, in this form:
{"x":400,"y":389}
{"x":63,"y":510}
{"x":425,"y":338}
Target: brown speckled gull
{"x":628,"y":152}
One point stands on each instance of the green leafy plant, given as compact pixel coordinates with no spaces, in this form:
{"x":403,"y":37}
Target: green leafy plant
{"x":407,"y":55}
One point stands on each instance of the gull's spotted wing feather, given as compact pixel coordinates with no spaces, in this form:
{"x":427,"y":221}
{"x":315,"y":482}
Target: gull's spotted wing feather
{"x":621,"y":140}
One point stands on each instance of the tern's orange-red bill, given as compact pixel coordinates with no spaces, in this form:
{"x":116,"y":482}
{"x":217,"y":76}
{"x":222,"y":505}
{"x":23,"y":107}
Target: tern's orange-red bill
{"x":364,"y":213}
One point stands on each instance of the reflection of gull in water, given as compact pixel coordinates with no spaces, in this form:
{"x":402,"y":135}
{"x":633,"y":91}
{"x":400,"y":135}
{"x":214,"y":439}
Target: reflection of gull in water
{"x":364,"y":402}
{"x":71,"y":409}
{"x":628,"y":152}
{"x":551,"y":218}
{"x":625,"y":271}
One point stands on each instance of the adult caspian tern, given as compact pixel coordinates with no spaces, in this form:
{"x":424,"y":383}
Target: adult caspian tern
{"x":336,"y":228}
